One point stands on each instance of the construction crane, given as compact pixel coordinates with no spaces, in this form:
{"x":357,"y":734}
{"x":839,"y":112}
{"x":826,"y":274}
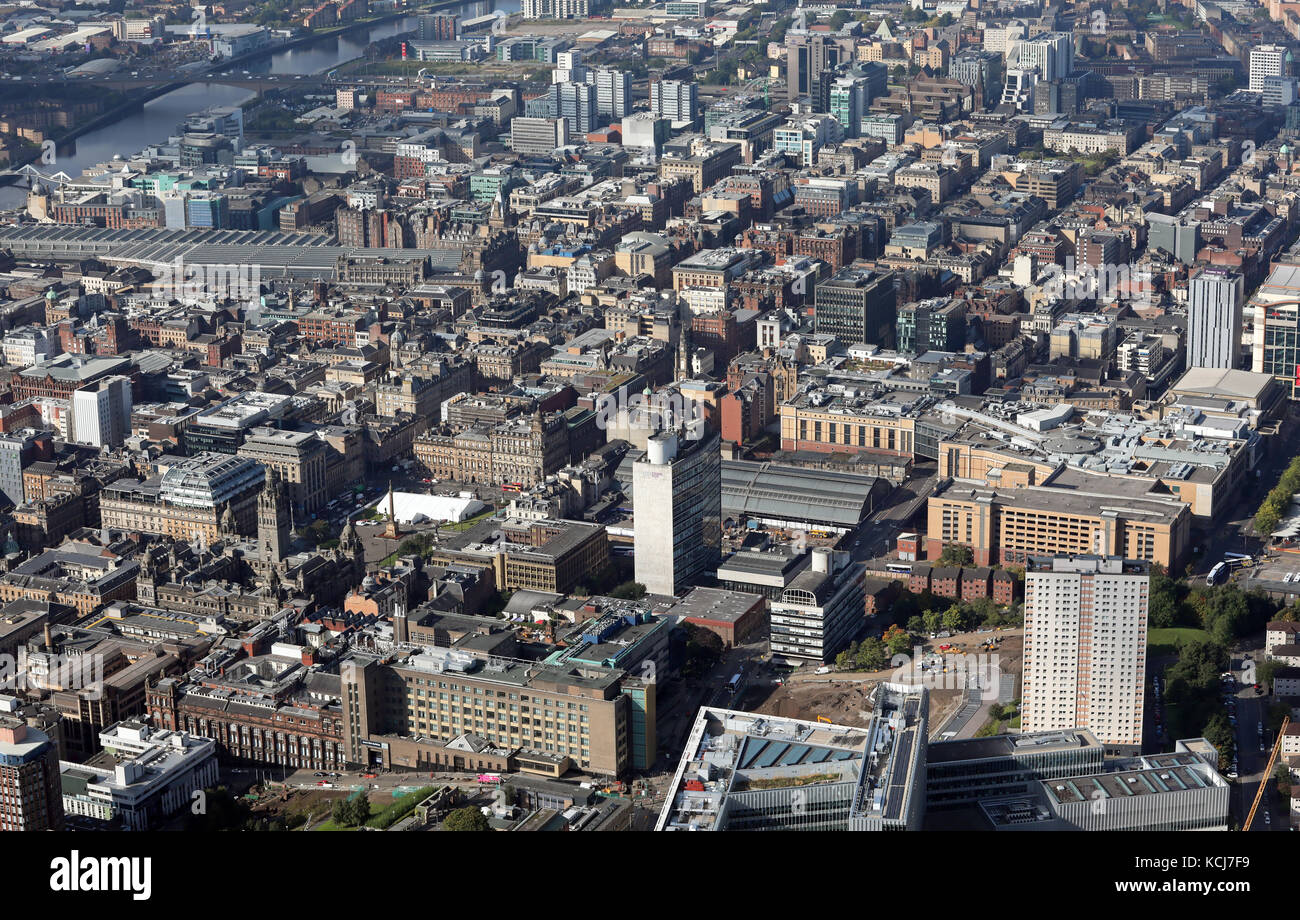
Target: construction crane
{"x":1268,"y":771}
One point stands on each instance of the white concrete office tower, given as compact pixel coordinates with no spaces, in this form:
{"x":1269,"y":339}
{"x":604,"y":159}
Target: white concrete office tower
{"x":1050,"y":54}
{"x":569,"y":68}
{"x":1215,"y":304}
{"x":1085,"y":647}
{"x":676,"y":100}
{"x":613,"y":93}
{"x":101,"y":413}
{"x":1267,"y":61}
{"x":677,"y":511}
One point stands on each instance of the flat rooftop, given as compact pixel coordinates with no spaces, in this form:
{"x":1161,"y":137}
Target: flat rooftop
{"x":1008,"y":745}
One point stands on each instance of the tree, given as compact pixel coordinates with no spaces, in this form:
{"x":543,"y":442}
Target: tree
{"x":221,"y":812}
{"x":916,"y":625}
{"x":1282,"y":773}
{"x":954,"y":620}
{"x":956,"y":554}
{"x":1218,"y":731}
{"x":340,"y":814}
{"x":360,"y":810}
{"x":703,"y":650}
{"x":629,"y":590}
{"x":985,"y":612}
{"x":468,"y":818}
{"x":897,"y":641}
{"x":871,"y":654}
{"x":1278,"y":500}
{"x":848,"y":657}
{"x":933,"y":620}
{"x":1267,"y":670}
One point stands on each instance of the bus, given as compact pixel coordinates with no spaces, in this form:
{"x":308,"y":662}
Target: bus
{"x":1237,"y":560}
{"x":1217,"y":574}
{"x":734,"y":684}
{"x":898,"y":568}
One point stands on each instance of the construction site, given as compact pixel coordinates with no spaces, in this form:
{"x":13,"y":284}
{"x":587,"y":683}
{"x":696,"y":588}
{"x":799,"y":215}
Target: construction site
{"x":841,"y":696}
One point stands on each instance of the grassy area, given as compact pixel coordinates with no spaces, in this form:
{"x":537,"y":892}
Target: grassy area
{"x":1168,"y":641}
{"x":400,"y":808}
{"x":784,"y":782}
{"x":1002,"y":717}
{"x":470,"y":522}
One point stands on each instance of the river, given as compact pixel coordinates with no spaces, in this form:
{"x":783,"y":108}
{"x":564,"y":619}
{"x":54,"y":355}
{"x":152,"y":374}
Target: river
{"x":158,"y":119}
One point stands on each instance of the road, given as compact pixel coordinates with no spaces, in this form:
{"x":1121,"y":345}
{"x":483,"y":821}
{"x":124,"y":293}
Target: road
{"x":877,"y":534}
{"x":1238,"y":535}
{"x":1252,"y":757}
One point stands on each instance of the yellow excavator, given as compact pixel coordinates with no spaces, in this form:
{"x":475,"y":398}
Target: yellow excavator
{"x":1268,"y":772}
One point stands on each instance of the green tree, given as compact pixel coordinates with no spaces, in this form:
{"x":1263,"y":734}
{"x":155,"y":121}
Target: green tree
{"x":1278,"y":500}
{"x":1276,"y":713}
{"x":897,"y":641}
{"x":984,"y":612}
{"x":468,"y":818}
{"x":1218,"y":731}
{"x":954,"y":620}
{"x":933,"y":620}
{"x":629,"y":590}
{"x":1282,"y":773}
{"x":221,"y":812}
{"x":871,"y":654}
{"x":847,"y":658}
{"x":340,"y":813}
{"x":703,"y":650}
{"x":956,"y":554}
{"x":1267,"y":670}
{"x":360,"y":810}
{"x":916,"y":625}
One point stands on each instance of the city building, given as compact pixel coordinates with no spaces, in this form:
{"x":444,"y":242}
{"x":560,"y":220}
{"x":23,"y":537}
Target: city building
{"x":101,"y":412}
{"x":30,"y":795}
{"x":744,"y":771}
{"x":676,"y":100}
{"x":820,"y":612}
{"x":1085,"y":648}
{"x":508,"y":715}
{"x":857,"y":305}
{"x":141,"y":778}
{"x":677,"y":510}
{"x":1215,"y":304}
{"x":1268,"y":61}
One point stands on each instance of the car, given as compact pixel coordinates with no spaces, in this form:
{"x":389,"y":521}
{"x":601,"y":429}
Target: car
{"x":1232,"y":774}
{"x":318,"y":773}
{"x":1259,"y":691}
{"x":1259,"y":727}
